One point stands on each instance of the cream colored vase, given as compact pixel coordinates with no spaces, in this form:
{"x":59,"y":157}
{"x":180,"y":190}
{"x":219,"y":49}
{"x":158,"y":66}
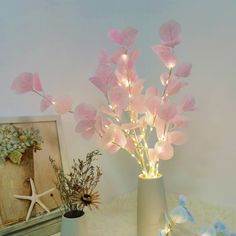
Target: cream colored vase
{"x":74,"y":226}
{"x":152,"y":206}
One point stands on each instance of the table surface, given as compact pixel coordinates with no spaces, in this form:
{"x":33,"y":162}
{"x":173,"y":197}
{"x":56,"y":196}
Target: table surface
{"x":119,"y":217}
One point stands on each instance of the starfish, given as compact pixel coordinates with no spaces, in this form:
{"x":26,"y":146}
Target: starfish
{"x":34,"y":198}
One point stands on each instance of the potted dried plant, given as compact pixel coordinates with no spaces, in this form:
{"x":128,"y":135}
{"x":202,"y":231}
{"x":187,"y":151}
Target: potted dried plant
{"x":77,"y":191}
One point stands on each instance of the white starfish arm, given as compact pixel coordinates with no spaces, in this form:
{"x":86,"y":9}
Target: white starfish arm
{"x":23,"y":197}
{"x":46,"y":192}
{"x":42,"y":205}
{"x":32,"y":186}
{"x":30,"y":210}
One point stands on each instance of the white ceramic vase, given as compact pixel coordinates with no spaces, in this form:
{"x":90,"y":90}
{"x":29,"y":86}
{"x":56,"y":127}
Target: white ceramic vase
{"x":74,"y":226}
{"x":152,"y":206}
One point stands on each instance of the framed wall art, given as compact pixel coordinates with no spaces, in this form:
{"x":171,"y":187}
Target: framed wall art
{"x":25,"y":146}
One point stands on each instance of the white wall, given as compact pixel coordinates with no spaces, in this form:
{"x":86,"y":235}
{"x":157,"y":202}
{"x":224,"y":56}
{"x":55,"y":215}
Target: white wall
{"x":62,"y":39}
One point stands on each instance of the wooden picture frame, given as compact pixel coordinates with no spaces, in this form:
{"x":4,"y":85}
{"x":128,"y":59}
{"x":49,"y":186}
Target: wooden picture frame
{"x":16,"y":172}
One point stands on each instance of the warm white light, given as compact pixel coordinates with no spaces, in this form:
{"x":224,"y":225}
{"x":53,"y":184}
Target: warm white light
{"x":163,"y":137}
{"x":124,"y":57}
{"x":53,"y":102}
{"x":159,"y":149}
{"x":125,"y":82}
{"x":171,"y":66}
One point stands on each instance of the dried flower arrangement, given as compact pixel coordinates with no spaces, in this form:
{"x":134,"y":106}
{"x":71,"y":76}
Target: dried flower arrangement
{"x":14,"y":141}
{"x":77,"y":188}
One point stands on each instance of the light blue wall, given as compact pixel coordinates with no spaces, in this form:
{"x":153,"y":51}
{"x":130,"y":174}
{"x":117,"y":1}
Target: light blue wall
{"x":62,"y":40}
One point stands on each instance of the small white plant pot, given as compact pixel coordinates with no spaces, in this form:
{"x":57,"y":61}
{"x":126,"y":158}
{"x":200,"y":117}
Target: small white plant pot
{"x":74,"y":226}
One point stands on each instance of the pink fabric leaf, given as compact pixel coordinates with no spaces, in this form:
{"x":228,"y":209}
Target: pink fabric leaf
{"x":166,"y":55}
{"x":151,"y":91}
{"x":119,"y":99}
{"x":116,"y":57}
{"x":23,"y":83}
{"x":124,"y":37}
{"x":180,"y":121}
{"x":177,"y":137}
{"x":63,"y":105}
{"x":132,"y":58}
{"x":137,"y":104}
{"x":188,"y":103}
{"x":104,"y":78}
{"x":160,"y":127}
{"x":102,"y":124}
{"x":170,"y":33}
{"x":167,"y":111}
{"x":183,"y":70}
{"x":161,"y":49}
{"x":86,"y":128}
{"x":137,"y":87}
{"x":85,"y":111}
{"x":45,"y":103}
{"x":113,"y":139}
{"x":174,"y":85}
{"x":99,"y":83}
{"x":37,"y":83}
{"x":165,"y":150}
{"x":153,"y":104}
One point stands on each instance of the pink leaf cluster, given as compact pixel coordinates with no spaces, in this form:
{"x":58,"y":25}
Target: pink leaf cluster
{"x":30,"y":82}
{"x":131,"y":112}
{"x":124,"y":37}
{"x":27,"y":82}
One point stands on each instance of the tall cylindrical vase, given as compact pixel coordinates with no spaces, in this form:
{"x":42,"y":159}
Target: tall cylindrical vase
{"x":76,"y":226}
{"x":152,"y":206}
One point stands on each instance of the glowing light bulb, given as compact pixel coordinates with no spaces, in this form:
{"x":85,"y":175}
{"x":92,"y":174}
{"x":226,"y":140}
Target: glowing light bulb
{"x":124,"y":57}
{"x":53,"y":102}
{"x":159,"y":149}
{"x":171,"y":65}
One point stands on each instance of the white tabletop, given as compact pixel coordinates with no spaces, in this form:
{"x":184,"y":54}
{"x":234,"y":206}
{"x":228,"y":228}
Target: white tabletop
{"x":119,"y":217}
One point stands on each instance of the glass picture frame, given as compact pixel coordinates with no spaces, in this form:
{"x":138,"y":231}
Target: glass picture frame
{"x":25,"y":162}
